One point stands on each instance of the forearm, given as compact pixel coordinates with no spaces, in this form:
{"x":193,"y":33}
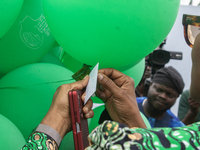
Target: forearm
{"x":136,"y":121}
{"x":189,"y":118}
{"x":195,"y":86}
{"x":57,"y":122}
{"x":195,"y":73}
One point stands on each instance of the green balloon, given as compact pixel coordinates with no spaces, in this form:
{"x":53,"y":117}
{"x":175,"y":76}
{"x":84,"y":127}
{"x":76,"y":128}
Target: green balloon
{"x":71,"y":63}
{"x":114,"y":33}
{"x":28,"y":40}
{"x":53,"y":56}
{"x":11,"y":137}
{"x":56,"y":51}
{"x":1,"y":75}
{"x":50,"y":58}
{"x":56,"y":44}
{"x":26,"y":93}
{"x":136,"y":71}
{"x":9,"y":10}
{"x":67,"y":142}
{"x":95,"y":99}
{"x":68,"y":61}
{"x":145,"y":121}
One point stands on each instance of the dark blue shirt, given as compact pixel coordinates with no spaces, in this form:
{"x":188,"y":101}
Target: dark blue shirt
{"x":168,"y":120}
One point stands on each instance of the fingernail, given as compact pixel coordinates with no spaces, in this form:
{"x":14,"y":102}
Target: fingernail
{"x":86,"y":109}
{"x":87,"y":115}
{"x":100,"y":76}
{"x":85,"y":77}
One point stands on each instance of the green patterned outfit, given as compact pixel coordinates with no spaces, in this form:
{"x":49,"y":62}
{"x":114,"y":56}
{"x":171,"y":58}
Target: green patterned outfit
{"x":40,"y":141}
{"x":115,"y":136}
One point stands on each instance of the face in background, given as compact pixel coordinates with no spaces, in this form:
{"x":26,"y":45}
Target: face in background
{"x":161,"y":97}
{"x":147,"y":72}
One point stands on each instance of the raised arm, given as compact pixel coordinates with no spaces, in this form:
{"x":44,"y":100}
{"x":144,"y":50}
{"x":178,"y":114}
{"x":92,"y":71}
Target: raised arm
{"x":195,"y":74}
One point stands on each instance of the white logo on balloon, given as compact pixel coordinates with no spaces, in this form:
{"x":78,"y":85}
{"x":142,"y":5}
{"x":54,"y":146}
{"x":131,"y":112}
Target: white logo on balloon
{"x":34,"y":38}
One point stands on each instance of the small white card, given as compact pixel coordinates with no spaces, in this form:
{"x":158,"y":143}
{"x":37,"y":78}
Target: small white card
{"x":91,"y":87}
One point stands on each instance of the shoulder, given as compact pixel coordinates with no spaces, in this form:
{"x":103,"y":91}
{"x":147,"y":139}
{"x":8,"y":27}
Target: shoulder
{"x":172,"y":115}
{"x":175,"y":121}
{"x":140,"y":99}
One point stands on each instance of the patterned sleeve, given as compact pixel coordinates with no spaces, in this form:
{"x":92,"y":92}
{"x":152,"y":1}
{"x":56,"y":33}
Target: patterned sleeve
{"x":40,"y":141}
{"x":115,"y":136}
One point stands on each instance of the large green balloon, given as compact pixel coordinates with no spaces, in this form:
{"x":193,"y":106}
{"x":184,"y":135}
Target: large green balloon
{"x":26,"y":93}
{"x":50,"y":58}
{"x":11,"y":137}
{"x":56,"y":51}
{"x":135,"y":72}
{"x":1,"y":75}
{"x":114,"y":33}
{"x":71,"y":63}
{"x":28,"y":40}
{"x":67,"y":142}
{"x":68,"y":61}
{"x":145,"y":120}
{"x":53,"y":56}
{"x":9,"y":10}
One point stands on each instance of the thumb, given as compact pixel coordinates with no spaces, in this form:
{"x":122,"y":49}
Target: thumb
{"x":107,"y":83}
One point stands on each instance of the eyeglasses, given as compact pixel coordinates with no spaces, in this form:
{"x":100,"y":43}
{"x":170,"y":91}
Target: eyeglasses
{"x":191,"y":28}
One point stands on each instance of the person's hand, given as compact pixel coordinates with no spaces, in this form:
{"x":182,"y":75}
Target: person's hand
{"x":118,"y":93}
{"x":58,"y":116}
{"x":194,"y":106}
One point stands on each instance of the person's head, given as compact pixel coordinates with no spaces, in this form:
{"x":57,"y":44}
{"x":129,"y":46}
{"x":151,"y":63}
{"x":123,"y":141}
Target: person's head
{"x":166,"y":86}
{"x":147,"y":72}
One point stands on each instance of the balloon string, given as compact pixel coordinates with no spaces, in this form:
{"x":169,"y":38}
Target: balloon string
{"x":16,"y":87}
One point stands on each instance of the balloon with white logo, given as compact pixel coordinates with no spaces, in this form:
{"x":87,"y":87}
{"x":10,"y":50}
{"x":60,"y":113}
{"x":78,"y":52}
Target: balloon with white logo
{"x":28,"y":40}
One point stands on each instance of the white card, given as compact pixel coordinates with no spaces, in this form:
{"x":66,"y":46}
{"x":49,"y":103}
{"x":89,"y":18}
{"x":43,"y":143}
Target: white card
{"x":91,"y":87}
